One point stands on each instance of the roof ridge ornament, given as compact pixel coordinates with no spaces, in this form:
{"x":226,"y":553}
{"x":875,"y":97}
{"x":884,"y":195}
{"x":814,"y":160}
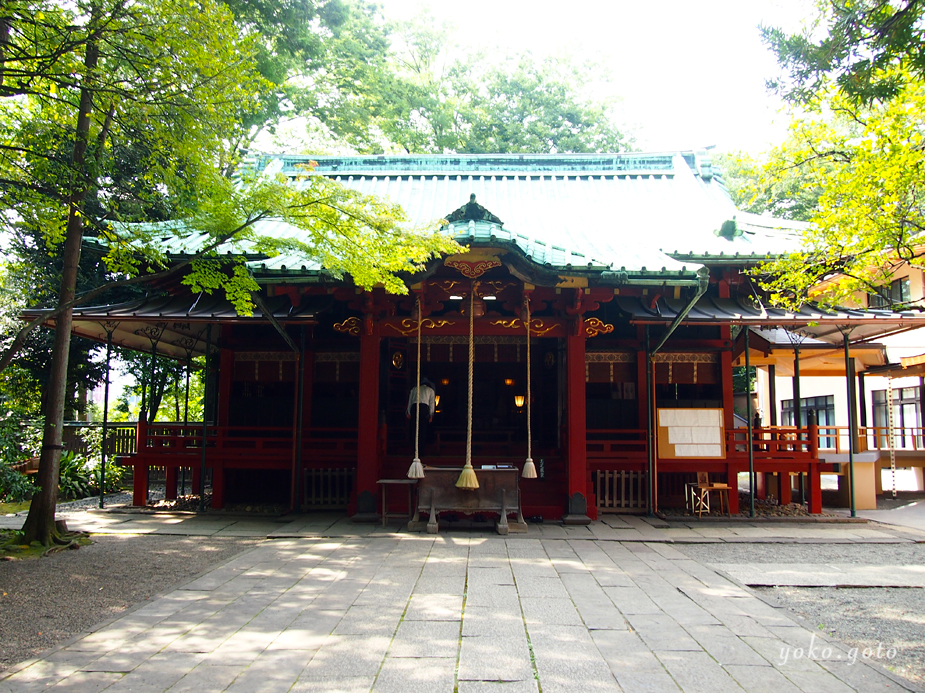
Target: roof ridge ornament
{"x":473,"y":211}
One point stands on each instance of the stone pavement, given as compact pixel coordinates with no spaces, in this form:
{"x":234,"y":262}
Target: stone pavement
{"x":601,"y":608}
{"x":627,"y":528}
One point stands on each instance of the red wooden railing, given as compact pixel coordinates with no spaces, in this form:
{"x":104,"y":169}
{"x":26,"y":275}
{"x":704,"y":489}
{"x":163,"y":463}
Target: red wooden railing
{"x":241,"y":441}
{"x":768,"y":443}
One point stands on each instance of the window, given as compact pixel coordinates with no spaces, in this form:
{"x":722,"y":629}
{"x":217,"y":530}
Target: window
{"x":824,"y":407}
{"x":907,"y":413}
{"x":897,"y":292}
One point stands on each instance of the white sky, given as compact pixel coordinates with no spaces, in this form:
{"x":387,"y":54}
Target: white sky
{"x":691,"y":73}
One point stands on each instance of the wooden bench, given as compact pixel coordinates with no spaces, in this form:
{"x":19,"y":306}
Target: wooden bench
{"x":498,"y":492}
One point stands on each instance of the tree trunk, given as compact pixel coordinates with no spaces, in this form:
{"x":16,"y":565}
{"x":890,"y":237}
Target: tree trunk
{"x":40,"y":524}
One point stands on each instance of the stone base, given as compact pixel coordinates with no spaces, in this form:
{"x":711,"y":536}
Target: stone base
{"x":574,"y":519}
{"x":366,"y":518}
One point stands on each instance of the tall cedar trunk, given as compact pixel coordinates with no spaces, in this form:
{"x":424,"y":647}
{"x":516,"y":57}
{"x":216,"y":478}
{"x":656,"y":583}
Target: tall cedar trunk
{"x":40,"y":524}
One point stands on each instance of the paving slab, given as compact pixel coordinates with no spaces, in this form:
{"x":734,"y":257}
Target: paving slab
{"x":824,"y":575}
{"x":471,"y":612}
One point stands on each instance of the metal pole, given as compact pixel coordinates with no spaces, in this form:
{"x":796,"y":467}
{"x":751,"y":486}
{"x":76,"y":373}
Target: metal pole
{"x":105,"y":418}
{"x":189,"y":366}
{"x":205,"y":418}
{"x":851,"y":426}
{"x":748,"y":417}
{"x":300,"y":374}
{"x":151,"y":417}
{"x":797,"y":405}
{"x":650,"y":403}
{"x":772,"y":393}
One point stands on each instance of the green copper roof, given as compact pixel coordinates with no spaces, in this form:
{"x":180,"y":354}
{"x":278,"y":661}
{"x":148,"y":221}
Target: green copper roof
{"x":621,"y":217}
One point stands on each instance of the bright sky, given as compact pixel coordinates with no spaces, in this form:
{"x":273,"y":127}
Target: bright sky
{"x":691,"y":73}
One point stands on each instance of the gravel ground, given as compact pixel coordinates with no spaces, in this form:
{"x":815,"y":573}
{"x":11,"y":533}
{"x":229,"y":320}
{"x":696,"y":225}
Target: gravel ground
{"x":858,"y":617}
{"x":48,"y":600}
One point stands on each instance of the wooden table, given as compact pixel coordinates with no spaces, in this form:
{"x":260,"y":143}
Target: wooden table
{"x":498,"y":492}
{"x":396,"y":482}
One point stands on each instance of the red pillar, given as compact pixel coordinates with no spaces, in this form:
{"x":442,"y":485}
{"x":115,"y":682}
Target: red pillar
{"x":732,"y":479}
{"x":577,"y":424}
{"x":725,"y":362}
{"x":140,"y":471}
{"x":761,"y":487}
{"x":785,"y":489}
{"x":813,"y":478}
{"x":195,"y":476}
{"x":225,"y":380}
{"x":218,"y":485}
{"x":368,"y":426}
{"x":170,"y":483}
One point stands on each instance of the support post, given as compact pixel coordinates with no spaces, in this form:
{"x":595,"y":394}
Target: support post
{"x":368,"y":427}
{"x":748,"y":417}
{"x":103,"y":444}
{"x":812,"y":478}
{"x":295,"y":501}
{"x":189,"y":365}
{"x":852,"y":425}
{"x":797,"y":406}
{"x":772,"y":395}
{"x":577,"y":428}
{"x":205,"y":419}
{"x":650,"y":429}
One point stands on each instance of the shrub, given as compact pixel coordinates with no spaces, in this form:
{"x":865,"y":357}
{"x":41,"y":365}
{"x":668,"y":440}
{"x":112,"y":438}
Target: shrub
{"x":74,"y":480}
{"x":14,"y":486}
{"x":114,"y":474}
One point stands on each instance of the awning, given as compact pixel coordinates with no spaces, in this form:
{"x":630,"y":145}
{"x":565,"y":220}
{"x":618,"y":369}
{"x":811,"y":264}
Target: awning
{"x":775,"y":347}
{"x":809,"y":321}
{"x":177,"y":324}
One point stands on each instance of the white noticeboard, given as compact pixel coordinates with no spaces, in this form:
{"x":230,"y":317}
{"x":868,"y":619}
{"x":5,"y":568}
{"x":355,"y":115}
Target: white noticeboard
{"x":691,"y":433}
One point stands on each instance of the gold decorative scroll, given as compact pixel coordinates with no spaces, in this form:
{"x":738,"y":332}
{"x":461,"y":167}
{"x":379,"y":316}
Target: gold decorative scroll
{"x":447,"y":284}
{"x":350,"y":326}
{"x":496,"y":286}
{"x":594,"y":327}
{"x":409,"y":326}
{"x":537,"y":327}
{"x":473,"y":269}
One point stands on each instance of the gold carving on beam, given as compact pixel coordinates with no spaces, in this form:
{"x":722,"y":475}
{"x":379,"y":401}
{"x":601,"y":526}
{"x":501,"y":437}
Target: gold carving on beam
{"x":537,"y":327}
{"x":350,"y":326}
{"x":508,"y":324}
{"x":447,"y":284}
{"x":409,"y":326}
{"x":473,"y":269}
{"x":594,"y":327}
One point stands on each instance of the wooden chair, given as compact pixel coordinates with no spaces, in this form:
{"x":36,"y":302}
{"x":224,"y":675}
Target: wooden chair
{"x":698,"y":495}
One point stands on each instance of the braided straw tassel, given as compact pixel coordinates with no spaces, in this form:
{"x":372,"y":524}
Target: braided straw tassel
{"x":416,"y":470}
{"x":529,"y":471}
{"x":467,"y":479}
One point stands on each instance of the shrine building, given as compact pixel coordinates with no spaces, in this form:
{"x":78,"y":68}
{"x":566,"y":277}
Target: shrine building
{"x":599,"y":310}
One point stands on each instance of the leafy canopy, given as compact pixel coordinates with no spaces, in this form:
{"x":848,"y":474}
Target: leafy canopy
{"x":868,"y":164}
{"x":869,"y":49}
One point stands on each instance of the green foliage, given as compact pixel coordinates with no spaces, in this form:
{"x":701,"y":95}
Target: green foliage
{"x":872,"y":50}
{"x":786,"y":192}
{"x":75,"y":479}
{"x":432,"y":96}
{"x":740,"y":383}
{"x":869,"y":163}
{"x":14,"y":486}
{"x":114,"y":475}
